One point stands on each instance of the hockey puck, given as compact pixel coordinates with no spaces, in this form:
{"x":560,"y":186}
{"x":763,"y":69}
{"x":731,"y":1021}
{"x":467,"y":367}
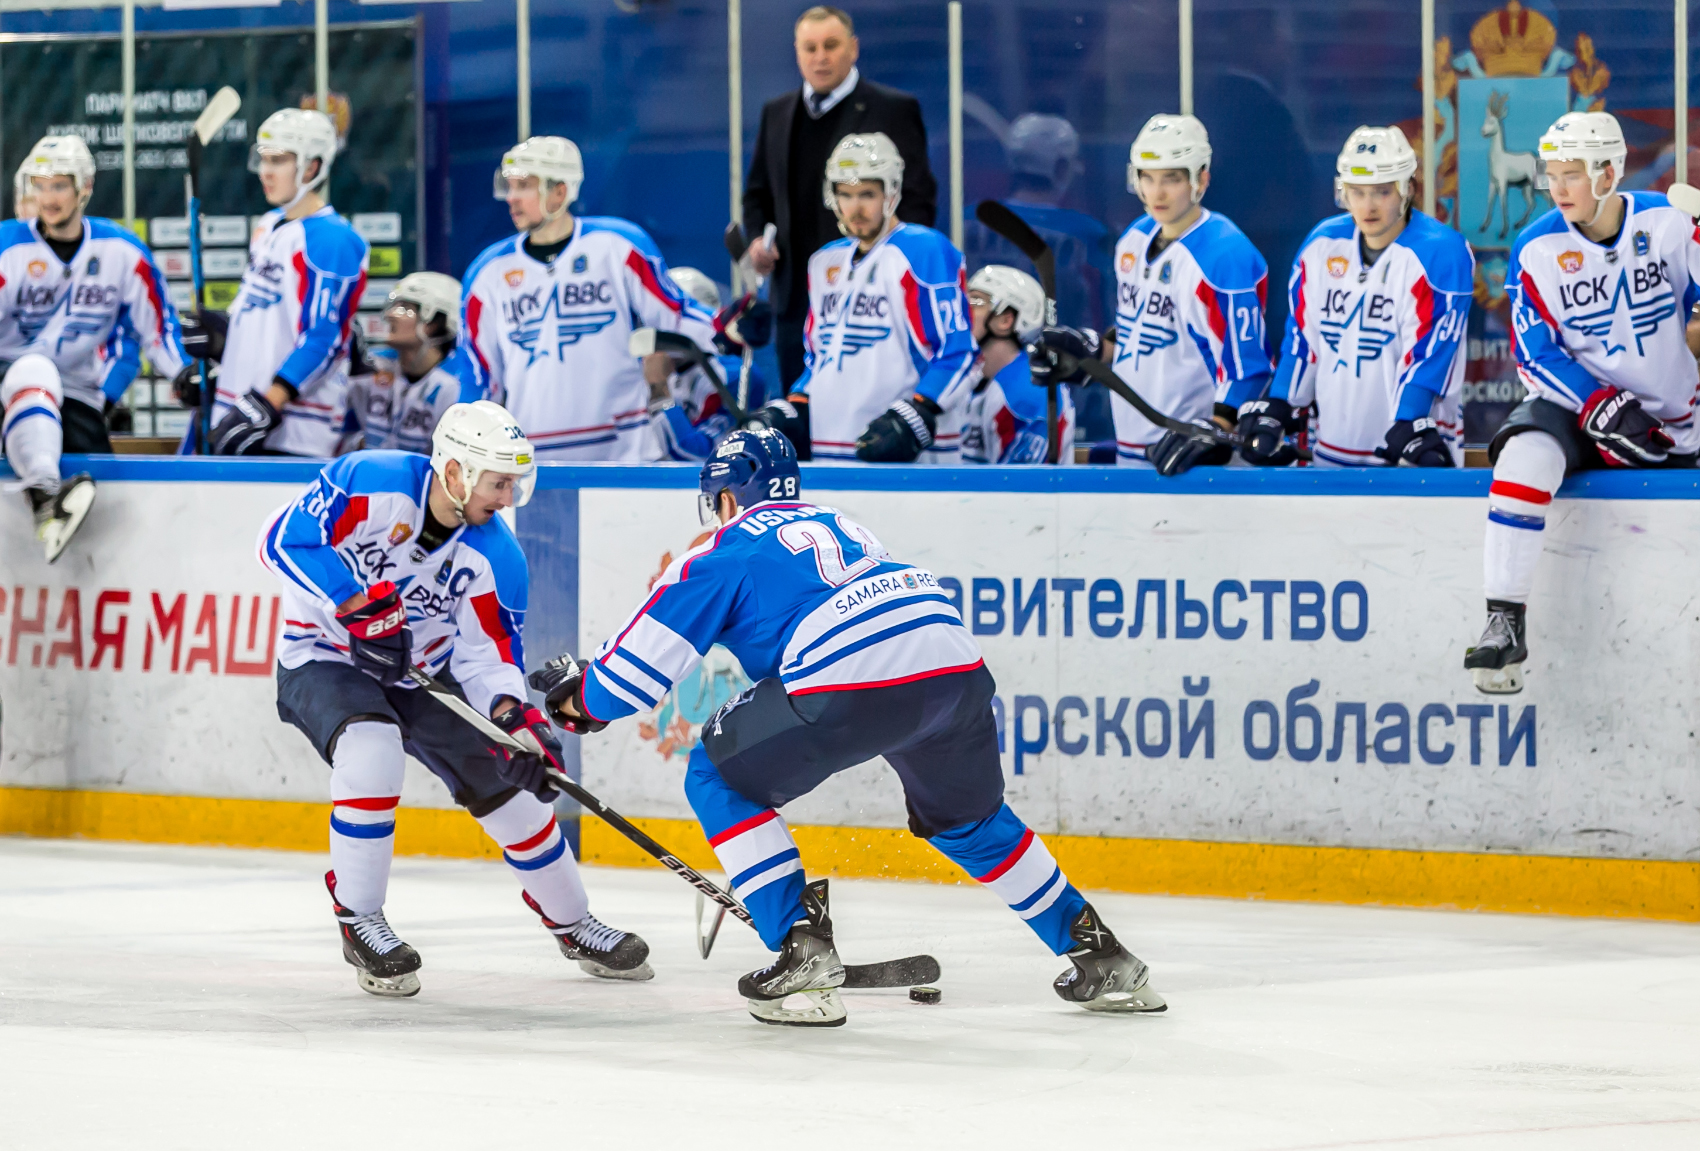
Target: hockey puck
{"x":925,"y":994}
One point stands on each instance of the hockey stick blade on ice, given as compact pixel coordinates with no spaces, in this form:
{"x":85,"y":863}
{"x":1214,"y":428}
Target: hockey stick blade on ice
{"x":647,"y":341}
{"x":1003,"y":220}
{"x":224,"y":104}
{"x":892,"y":973}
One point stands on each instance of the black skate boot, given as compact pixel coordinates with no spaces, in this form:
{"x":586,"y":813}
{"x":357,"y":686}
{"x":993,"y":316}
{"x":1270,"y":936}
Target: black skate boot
{"x":1496,"y":662}
{"x":808,"y":965}
{"x":1105,"y":975}
{"x":59,"y":514}
{"x":603,"y":951}
{"x":383,"y":965}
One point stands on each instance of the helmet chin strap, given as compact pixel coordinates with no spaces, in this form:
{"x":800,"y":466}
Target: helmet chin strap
{"x":469,"y":479}
{"x":1601,"y":201}
{"x":302,"y":189}
{"x":548,"y":216}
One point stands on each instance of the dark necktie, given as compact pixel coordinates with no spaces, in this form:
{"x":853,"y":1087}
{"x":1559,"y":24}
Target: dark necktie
{"x":816,"y":99}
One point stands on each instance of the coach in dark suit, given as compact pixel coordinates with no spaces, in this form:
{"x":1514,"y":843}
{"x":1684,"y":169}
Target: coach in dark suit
{"x":798,"y":132}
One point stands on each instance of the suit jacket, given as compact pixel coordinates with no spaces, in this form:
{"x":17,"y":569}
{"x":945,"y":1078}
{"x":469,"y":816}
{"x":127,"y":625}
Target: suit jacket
{"x":870,"y":107}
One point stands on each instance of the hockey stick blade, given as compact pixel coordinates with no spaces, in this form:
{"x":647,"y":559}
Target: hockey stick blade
{"x":1685,"y":198}
{"x":1003,"y":220}
{"x":736,"y":242}
{"x":224,"y":104}
{"x":911,"y":971}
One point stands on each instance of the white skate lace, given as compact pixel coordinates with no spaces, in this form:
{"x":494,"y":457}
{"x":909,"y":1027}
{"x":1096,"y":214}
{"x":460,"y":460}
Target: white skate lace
{"x":596,"y":936}
{"x":375,"y":932}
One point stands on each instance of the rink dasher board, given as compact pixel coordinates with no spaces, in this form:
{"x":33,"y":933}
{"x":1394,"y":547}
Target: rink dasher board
{"x":1608,"y":779}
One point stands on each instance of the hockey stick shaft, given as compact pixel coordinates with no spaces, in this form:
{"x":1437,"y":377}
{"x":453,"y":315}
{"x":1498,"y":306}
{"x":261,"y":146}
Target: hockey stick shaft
{"x":647,"y":341}
{"x":1106,"y":375}
{"x":218,"y":111}
{"x":1003,"y":220}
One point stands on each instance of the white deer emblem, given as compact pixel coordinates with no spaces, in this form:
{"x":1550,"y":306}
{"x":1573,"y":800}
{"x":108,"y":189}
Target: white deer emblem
{"x":1507,"y":170}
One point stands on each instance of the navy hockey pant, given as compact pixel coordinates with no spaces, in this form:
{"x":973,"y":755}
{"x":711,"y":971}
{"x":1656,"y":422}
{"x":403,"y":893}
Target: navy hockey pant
{"x":766,"y":748}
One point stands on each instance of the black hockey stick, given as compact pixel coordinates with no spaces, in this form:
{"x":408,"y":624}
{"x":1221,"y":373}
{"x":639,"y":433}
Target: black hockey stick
{"x":1017,"y":231}
{"x":892,"y":973}
{"x":647,"y":341}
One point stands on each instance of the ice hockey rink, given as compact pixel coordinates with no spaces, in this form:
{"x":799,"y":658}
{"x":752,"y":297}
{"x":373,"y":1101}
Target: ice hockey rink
{"x":177,"y":997}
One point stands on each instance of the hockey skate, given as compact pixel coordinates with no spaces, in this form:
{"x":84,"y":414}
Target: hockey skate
{"x":383,"y":964}
{"x":1496,"y":662}
{"x":59,"y":514}
{"x":1105,"y":975}
{"x":808,"y":965}
{"x":603,"y":951}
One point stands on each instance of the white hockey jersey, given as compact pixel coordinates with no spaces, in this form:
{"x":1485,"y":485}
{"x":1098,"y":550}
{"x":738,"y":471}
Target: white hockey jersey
{"x":92,"y":317}
{"x":1189,"y":325}
{"x":292,"y":318}
{"x":357,"y":525}
{"x":1006,"y":419}
{"x":391,"y":411}
{"x":1585,"y":315}
{"x":881,"y":328}
{"x":549,"y":341}
{"x":1372,"y":345}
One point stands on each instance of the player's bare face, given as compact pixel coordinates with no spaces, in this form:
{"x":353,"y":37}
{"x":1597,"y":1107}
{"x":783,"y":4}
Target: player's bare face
{"x":57,"y":199}
{"x":1167,"y":193}
{"x":826,"y":51}
{"x":527,"y":199}
{"x":980,"y":317}
{"x":861,"y":206}
{"x":1573,"y":191}
{"x":277,"y":177}
{"x":404,"y":327}
{"x":1376,"y":209}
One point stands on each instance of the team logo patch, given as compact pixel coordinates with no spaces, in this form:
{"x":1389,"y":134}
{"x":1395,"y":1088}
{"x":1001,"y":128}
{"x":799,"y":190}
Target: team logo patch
{"x":1128,"y":261}
{"x":580,"y":263}
{"x":1570,"y":262}
{"x":399,"y":534}
{"x":38,"y":268}
{"x":1164,"y":275}
{"x":514,"y":278}
{"x":94,"y":265}
{"x":416,"y":556}
{"x":1337,"y":266}
{"x":911,"y":582}
{"x":1641,"y":243}
{"x":832,"y":274}
{"x":444,"y":571}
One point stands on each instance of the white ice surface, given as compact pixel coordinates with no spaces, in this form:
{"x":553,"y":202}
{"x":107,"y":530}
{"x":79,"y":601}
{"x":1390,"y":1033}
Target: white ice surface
{"x":196,"y":998}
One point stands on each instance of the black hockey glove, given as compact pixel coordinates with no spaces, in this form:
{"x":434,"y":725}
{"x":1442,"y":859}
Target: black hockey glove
{"x":120,"y":420}
{"x":204,"y":333}
{"x":791,"y":417}
{"x":900,"y":433}
{"x":379,"y":641}
{"x":244,"y":428}
{"x":186,"y":387}
{"x":1178,"y":452}
{"x":1042,"y":356}
{"x":1416,"y":444}
{"x":1264,"y":425}
{"x":744,"y":323}
{"x":529,"y":770}
{"x":1626,"y":436}
{"x":561,"y":681}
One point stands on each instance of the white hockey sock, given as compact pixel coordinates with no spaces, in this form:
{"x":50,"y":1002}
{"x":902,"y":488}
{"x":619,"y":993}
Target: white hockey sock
{"x":1529,"y":469}
{"x":536,"y":851}
{"x":367,"y":767}
{"x":34,"y":439}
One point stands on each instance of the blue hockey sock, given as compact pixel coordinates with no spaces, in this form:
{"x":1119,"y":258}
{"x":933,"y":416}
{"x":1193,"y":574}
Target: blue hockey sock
{"x":754,"y":847}
{"x":1004,"y":854}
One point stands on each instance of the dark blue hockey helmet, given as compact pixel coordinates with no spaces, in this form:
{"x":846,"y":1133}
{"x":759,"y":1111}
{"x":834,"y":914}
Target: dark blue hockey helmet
{"x":754,"y":465}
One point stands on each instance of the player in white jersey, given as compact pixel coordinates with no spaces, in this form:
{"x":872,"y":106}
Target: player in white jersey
{"x":283,"y":360}
{"x":1189,"y":304}
{"x":1006,"y":420}
{"x":82,"y":300}
{"x":392,"y":562}
{"x":1600,"y":288}
{"x":1379,"y":300}
{"x":887,"y":345}
{"x":548,"y":313}
{"x":405,"y":389}
{"x":687,"y":413}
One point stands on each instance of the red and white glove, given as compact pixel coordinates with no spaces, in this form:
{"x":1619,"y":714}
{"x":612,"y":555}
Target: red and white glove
{"x":379,"y":641}
{"x":1626,"y":436}
{"x":529,"y":770}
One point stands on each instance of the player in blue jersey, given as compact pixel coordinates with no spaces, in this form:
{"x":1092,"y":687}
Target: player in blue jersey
{"x":391,"y":561}
{"x":855,"y":655}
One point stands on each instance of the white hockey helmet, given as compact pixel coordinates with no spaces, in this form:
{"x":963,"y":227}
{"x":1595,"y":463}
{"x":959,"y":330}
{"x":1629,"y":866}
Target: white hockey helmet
{"x":483,"y":437}
{"x":1012,"y":290}
{"x":432,"y":294}
{"x":698,"y":287}
{"x":869,"y":156}
{"x":552,"y":159}
{"x":23,"y":193}
{"x":1168,"y":142}
{"x":59,"y":156}
{"x":1375,"y":156}
{"x":305,"y":133}
{"x":1596,"y":139}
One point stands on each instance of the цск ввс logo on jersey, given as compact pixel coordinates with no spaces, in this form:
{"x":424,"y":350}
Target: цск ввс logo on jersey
{"x":551,"y":330}
{"x":1644,"y":315}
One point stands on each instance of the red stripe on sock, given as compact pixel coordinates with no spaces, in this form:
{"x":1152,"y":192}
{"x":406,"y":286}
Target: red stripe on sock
{"x":380,"y":803}
{"x":528,"y":844}
{"x":1518,"y":492}
{"x":738,"y":829}
{"x":1010,"y":859}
